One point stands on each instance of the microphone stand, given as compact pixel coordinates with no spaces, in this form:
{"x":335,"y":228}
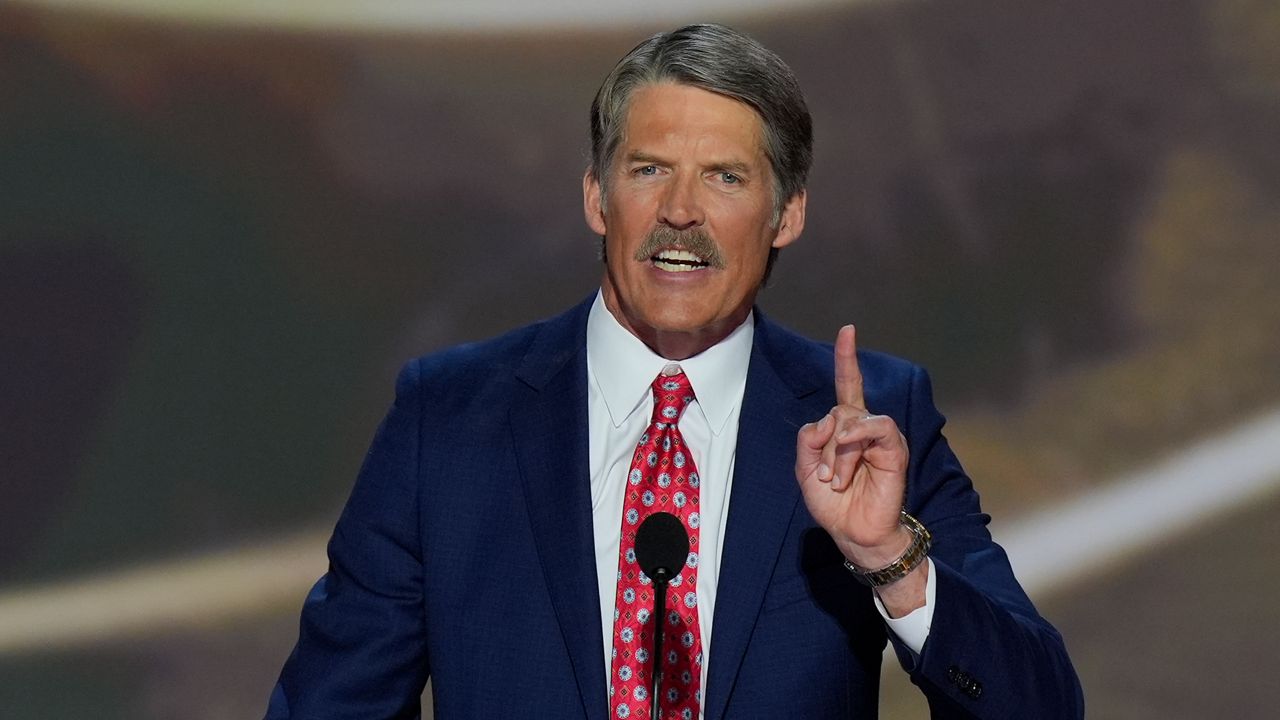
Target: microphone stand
{"x":661,"y":577}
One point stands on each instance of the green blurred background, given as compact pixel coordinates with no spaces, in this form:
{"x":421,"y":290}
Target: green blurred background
{"x":220,"y":236}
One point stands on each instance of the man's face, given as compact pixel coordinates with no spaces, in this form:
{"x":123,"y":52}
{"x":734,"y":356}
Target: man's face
{"x":687,"y":218}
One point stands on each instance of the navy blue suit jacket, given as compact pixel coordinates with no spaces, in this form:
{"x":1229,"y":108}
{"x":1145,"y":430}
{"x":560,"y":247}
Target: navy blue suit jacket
{"x":465,"y":553}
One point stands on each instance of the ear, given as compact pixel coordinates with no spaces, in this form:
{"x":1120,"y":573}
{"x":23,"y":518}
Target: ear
{"x":791,"y":222}
{"x":591,"y":206}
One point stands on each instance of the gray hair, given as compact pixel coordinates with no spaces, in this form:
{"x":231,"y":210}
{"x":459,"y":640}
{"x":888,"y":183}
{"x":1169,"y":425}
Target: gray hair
{"x":723,"y":61}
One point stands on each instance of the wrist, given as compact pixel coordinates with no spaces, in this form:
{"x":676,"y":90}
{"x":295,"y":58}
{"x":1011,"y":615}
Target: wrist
{"x":891,"y":561}
{"x":878,"y":556}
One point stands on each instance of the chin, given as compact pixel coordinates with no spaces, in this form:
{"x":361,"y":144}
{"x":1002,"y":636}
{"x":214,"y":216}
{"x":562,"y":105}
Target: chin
{"x":687,"y":325}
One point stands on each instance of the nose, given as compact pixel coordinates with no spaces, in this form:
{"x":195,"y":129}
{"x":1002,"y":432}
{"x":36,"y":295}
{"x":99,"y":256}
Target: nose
{"x":681,"y":207}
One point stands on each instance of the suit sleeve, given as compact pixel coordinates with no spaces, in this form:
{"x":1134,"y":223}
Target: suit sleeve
{"x":989,"y":653}
{"x":361,"y":651}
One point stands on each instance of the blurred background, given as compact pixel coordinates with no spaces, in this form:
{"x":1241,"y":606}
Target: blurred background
{"x":223,"y":227}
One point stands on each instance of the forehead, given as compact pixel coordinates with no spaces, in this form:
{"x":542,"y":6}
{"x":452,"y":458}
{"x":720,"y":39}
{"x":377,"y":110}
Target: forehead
{"x":686,"y":117}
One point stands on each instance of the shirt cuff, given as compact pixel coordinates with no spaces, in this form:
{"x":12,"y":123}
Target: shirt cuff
{"x":913,"y":628}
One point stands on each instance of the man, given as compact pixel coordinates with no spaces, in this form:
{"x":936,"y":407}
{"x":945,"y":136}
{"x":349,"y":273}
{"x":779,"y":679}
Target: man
{"x":489,"y":542}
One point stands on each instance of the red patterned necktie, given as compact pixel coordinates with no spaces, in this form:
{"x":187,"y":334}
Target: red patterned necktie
{"x":662,"y":478}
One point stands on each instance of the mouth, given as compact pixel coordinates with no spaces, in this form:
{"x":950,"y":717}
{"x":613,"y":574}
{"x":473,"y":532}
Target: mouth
{"x":675,"y":260}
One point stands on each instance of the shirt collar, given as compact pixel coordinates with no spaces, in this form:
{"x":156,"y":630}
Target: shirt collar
{"x":623,"y":367}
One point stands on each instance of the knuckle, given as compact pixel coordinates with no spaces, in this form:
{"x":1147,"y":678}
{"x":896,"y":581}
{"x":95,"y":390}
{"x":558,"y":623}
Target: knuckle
{"x":846,"y":413}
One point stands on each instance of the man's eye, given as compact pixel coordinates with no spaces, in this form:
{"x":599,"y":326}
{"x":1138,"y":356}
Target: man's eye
{"x":647,"y":170}
{"x":729,"y":178}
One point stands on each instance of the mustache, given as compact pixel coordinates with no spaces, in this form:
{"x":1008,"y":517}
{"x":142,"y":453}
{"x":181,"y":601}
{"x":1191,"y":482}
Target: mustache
{"x":695,"y":240}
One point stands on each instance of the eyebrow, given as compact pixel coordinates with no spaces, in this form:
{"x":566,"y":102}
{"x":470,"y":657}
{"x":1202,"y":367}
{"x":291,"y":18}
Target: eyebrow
{"x":740,"y":168}
{"x":640,"y":156}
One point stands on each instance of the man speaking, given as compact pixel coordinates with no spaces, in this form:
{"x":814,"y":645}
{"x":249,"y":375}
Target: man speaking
{"x":490,"y":541}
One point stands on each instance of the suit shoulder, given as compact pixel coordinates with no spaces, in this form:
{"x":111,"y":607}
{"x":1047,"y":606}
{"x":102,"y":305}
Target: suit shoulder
{"x":488,"y":356}
{"x":492,"y":365}
{"x":818,"y":357}
{"x":891,"y":368}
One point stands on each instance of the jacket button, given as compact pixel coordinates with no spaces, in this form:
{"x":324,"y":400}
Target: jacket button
{"x":953,"y":674}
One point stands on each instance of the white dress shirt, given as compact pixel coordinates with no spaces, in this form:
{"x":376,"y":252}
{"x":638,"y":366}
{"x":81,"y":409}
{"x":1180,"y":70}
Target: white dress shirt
{"x":620,"y":369}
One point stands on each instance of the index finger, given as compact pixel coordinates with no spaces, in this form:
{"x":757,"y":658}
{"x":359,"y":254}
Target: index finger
{"x":848,"y":376}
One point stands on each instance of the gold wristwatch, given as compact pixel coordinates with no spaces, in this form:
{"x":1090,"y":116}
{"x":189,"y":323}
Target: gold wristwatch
{"x":910,"y":559}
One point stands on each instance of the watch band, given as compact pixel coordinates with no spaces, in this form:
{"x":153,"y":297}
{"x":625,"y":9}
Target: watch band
{"x":910,"y":559}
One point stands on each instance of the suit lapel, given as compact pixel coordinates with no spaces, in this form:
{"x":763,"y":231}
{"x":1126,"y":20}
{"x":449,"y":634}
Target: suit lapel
{"x":550,"y":436}
{"x":763,"y":499}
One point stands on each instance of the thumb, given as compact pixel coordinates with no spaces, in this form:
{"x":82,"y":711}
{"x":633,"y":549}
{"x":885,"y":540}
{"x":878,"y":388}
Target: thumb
{"x":813,"y":437}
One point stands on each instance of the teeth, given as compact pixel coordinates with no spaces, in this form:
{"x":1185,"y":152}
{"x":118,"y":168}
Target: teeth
{"x":678,"y":261}
{"x":678,"y":255}
{"x":671,"y":267}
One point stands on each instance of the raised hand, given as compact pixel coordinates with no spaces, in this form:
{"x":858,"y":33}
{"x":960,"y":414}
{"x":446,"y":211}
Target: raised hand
{"x":852,"y":469}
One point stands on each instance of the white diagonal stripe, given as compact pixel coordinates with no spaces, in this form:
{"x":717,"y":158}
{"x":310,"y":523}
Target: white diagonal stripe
{"x":151,"y":599}
{"x":1051,"y":547}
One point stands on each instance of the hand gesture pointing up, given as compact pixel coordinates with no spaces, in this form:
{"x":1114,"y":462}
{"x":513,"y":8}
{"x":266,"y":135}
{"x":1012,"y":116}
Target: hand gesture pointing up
{"x":852,"y":469}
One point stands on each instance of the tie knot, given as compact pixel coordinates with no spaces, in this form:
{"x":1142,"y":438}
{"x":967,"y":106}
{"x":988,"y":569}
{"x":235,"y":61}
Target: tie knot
{"x":671,"y":394}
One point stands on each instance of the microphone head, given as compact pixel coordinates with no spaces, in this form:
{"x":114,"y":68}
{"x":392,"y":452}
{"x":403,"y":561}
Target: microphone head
{"x":662,"y":545}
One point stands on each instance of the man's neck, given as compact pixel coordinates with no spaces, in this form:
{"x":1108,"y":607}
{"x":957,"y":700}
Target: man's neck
{"x":671,"y":344}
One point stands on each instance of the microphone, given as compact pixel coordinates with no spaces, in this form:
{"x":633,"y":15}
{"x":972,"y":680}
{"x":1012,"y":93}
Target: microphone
{"x":662,"y":545}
